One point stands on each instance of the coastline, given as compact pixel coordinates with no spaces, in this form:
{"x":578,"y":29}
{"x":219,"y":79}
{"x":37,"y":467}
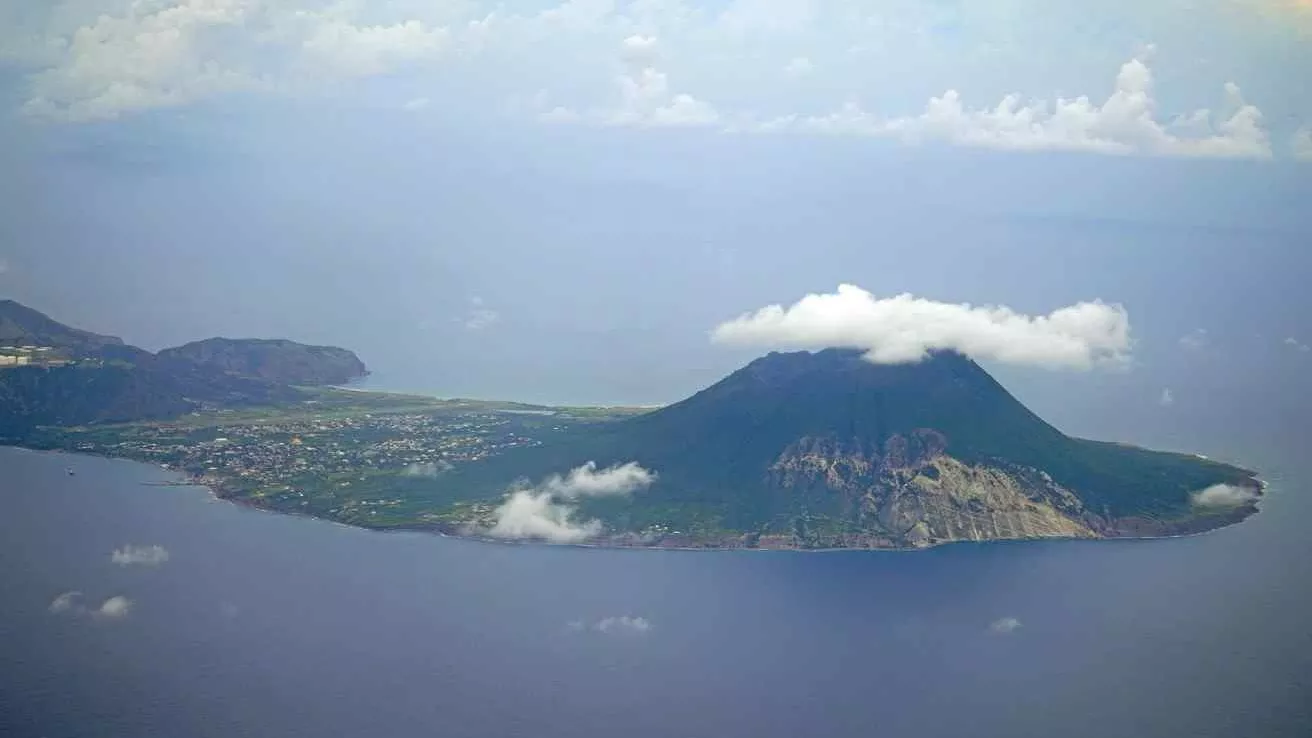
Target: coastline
{"x":1185,"y":528}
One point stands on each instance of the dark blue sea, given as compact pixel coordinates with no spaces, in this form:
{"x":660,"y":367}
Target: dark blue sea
{"x":260,"y":624}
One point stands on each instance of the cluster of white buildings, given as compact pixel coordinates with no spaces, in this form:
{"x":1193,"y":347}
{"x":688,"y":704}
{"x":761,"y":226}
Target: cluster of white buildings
{"x":24,"y":355}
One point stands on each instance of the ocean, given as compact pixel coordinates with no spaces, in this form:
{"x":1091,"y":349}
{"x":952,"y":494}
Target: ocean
{"x":259,"y":624}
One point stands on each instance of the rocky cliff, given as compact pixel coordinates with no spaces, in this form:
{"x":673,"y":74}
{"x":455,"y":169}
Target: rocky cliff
{"x":273,"y":360}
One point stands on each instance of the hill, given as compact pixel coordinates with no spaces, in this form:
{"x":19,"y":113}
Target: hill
{"x":274,"y":360}
{"x":82,"y":378}
{"x":827,"y":449}
{"x":22,"y":326}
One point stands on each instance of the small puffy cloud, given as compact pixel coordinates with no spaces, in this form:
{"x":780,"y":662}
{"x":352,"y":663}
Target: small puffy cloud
{"x":140,"y":556}
{"x":1004,"y":626}
{"x":615,"y":625}
{"x":1194,"y":340}
{"x":72,"y":603}
{"x":586,"y":481}
{"x":544,"y":513}
{"x":905,"y":328}
{"x":639,"y":48}
{"x":623,"y":624}
{"x":1300,"y":146}
{"x":114,"y":607}
{"x":480,"y":316}
{"x":1223,"y":495}
{"x":798,"y":66}
{"x":1125,"y":123}
{"x":416,"y":104}
{"x":426,"y":469}
{"x":644,"y":97}
{"x":67,"y":602}
{"x":1167,"y":398}
{"x":647,"y":101}
{"x":1296,"y":344}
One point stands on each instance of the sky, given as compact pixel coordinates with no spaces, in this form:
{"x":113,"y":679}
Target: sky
{"x":566,"y":202}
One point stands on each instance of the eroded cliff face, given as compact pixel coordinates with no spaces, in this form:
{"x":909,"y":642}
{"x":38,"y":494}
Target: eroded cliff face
{"x":910,"y":492}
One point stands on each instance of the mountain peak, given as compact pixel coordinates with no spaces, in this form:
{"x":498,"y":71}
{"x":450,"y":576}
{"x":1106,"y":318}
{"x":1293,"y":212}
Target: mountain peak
{"x":826,"y":448}
{"x":777,"y":366}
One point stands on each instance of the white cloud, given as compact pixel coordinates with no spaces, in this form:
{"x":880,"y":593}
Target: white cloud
{"x":639,"y":49}
{"x":1124,"y":123}
{"x":798,"y":66}
{"x":414,"y":105}
{"x":1195,"y":339}
{"x":480,"y":316}
{"x":1296,"y":344}
{"x":1223,"y":495}
{"x":169,"y":53}
{"x":114,"y":607}
{"x":1167,"y":398}
{"x":537,"y":515}
{"x":1004,"y":626}
{"x":644,"y":98}
{"x":67,"y":602}
{"x":646,"y":101}
{"x":586,"y":481}
{"x":427,"y":469}
{"x":349,"y":50}
{"x":149,"y":57}
{"x":140,"y":556}
{"x":623,"y":624}
{"x":1300,"y":146}
{"x":904,"y":328}
{"x":99,"y":59}
{"x":71,"y":603}
{"x":615,"y":625}
{"x":543,"y":513}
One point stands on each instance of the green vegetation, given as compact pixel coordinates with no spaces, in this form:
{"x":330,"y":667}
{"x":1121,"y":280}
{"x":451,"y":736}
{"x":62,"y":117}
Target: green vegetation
{"x":363,"y":458}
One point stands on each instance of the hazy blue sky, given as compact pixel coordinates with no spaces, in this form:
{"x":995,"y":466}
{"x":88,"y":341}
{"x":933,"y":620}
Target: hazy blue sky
{"x":558,"y":203}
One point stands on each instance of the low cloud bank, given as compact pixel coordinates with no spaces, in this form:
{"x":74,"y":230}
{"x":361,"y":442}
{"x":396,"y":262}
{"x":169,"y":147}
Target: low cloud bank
{"x":905,"y":328}
{"x":537,"y":515}
{"x":1223,"y":495}
{"x":140,"y":556}
{"x":544,"y":513}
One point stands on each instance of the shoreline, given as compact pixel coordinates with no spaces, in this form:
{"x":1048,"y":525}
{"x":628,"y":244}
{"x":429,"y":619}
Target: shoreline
{"x":213,"y":489}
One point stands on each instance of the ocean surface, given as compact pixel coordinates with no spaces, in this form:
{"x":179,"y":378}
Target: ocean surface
{"x":260,"y":624}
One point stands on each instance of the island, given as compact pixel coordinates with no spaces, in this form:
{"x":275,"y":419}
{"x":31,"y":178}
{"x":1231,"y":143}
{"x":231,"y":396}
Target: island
{"x":805,"y":450}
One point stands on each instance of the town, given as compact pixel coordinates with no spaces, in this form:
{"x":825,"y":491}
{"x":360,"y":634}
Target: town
{"x":373,"y":465}
{"x":30,"y":356}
